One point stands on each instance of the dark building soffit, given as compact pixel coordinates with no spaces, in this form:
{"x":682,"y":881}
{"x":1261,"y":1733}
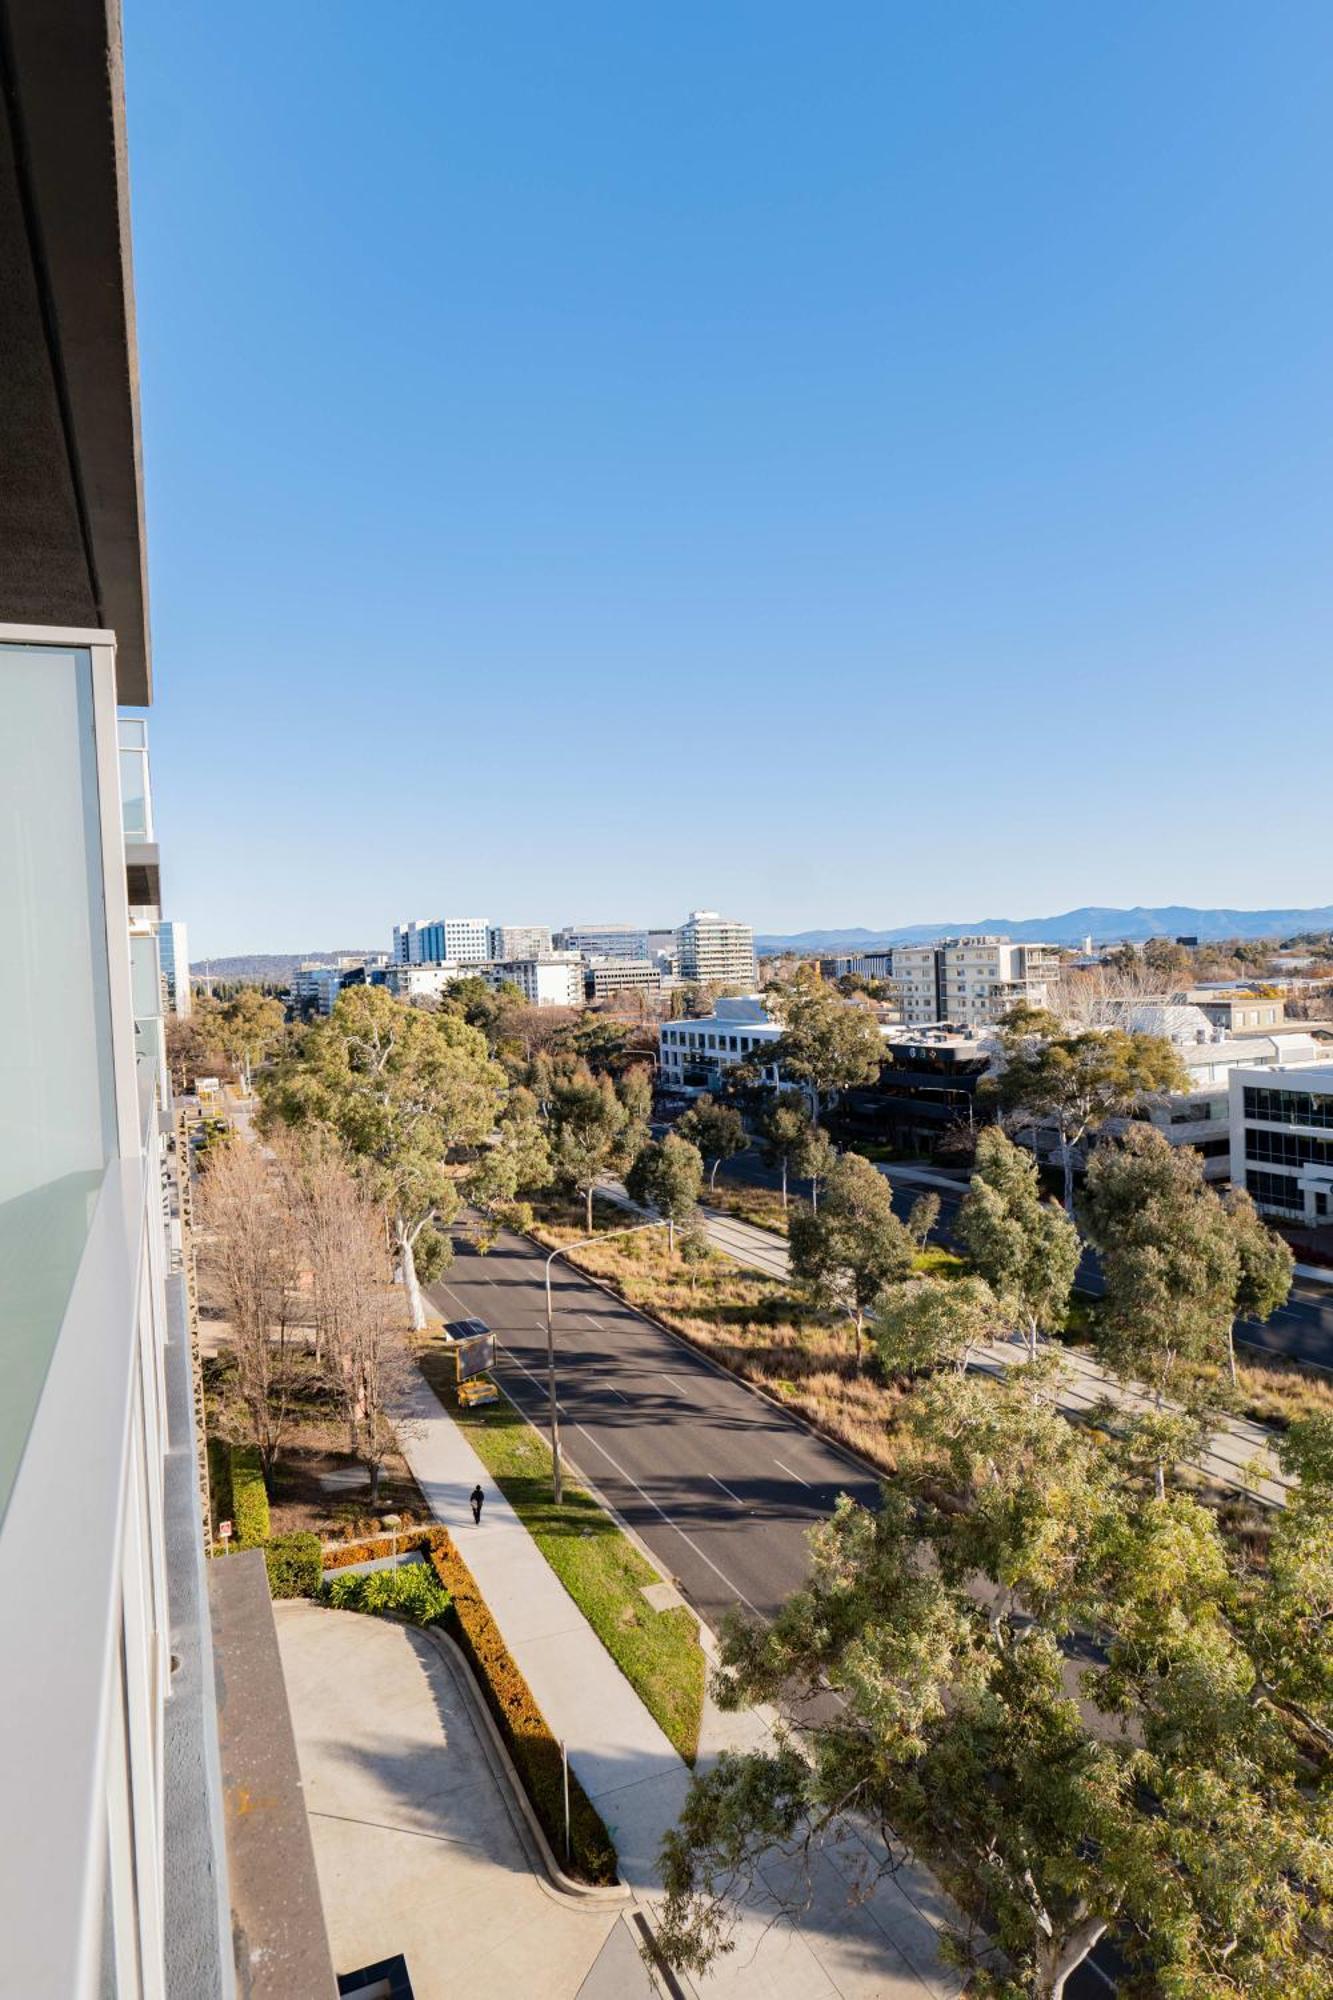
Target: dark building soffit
{"x":61,"y":68}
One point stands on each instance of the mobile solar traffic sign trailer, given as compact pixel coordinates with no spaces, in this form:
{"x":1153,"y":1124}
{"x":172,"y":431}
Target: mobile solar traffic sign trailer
{"x":472,"y":1345}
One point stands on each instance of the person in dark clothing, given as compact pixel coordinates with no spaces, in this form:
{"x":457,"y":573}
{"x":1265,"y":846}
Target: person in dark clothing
{"x":476,"y":1496}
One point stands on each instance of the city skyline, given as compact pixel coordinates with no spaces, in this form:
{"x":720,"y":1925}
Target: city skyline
{"x":869,"y":468}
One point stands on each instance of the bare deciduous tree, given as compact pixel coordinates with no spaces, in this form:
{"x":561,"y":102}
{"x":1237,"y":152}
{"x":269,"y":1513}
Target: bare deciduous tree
{"x":253,"y":1252}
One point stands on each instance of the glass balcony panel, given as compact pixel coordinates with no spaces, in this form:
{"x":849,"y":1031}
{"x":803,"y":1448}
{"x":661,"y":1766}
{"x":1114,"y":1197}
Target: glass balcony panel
{"x":57,"y":1093}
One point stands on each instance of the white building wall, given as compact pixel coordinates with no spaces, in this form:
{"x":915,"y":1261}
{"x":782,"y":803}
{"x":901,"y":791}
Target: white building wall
{"x":467,"y":940}
{"x":1282,"y":1139}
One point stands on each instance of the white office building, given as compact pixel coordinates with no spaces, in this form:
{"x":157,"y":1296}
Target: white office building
{"x":553,"y":981}
{"x":174,"y":951}
{"x":693,"y":1055}
{"x":715,"y":950}
{"x":1282,"y":1140}
{"x":425,"y":982}
{"x":509,"y":941}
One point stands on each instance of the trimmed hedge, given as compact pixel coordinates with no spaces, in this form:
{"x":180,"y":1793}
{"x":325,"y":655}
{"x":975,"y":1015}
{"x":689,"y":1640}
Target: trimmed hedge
{"x":347,"y":1553}
{"x":531,"y":1745}
{"x":413,"y":1592}
{"x":295,"y":1565}
{"x":251,"y":1526}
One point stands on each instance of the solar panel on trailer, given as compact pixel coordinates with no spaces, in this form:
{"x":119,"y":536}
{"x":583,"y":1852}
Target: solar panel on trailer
{"x":466,"y":1329}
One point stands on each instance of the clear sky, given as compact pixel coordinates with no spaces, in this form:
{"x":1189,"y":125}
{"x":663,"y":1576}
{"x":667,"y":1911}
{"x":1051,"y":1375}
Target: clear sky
{"x":862,"y":463}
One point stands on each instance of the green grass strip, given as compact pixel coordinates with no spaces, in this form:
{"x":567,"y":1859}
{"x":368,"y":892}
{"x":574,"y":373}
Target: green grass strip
{"x":657,"y":1651}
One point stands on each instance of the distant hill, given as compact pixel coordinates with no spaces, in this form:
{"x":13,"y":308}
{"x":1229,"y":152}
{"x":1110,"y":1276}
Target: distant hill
{"x":1106,"y":926}
{"x":274,"y":967}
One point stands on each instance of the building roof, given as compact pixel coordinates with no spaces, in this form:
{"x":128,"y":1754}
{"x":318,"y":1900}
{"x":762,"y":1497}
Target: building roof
{"x":71,"y":484}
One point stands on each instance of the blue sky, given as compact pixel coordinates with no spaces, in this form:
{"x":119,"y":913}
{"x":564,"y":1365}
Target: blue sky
{"x":855,"y":464}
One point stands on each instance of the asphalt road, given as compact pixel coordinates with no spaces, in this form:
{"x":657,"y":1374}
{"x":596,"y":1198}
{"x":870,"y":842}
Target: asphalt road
{"x":722,"y":1486}
{"x":1302,"y":1331}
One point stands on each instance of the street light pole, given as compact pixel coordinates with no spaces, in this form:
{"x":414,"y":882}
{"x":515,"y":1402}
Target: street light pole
{"x":631,"y":1229}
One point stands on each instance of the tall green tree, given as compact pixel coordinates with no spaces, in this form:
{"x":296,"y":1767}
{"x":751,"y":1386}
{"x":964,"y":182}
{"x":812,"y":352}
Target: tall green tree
{"x":718,"y":1130}
{"x":814,"y":1159}
{"x":1179,"y":1789}
{"x":515,"y":1165}
{"x":931,"y":1323}
{"x":922,"y":1217}
{"x":1075,"y":1081}
{"x":783,"y":1128}
{"x":667,"y":1175}
{"x":407,"y":1092}
{"x":827,"y":1043}
{"x":843,"y":1255}
{"x":590,"y":1130}
{"x":1025,"y":1247}
{"x":1266,"y":1266}
{"x":1170,"y":1264}
{"x":250,"y":1027}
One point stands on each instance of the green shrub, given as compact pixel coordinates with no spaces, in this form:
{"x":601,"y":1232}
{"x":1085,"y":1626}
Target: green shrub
{"x":295,"y":1565}
{"x":249,"y":1499}
{"x":527,"y":1733}
{"x":411,"y":1591}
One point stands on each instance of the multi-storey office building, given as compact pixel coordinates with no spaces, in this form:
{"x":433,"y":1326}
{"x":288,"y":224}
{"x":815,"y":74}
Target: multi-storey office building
{"x":695,"y":1055}
{"x":604,"y":977}
{"x":174,"y":952}
{"x":1282,"y":1140}
{"x":118,"y":1870}
{"x":442,"y":940}
{"x":507,"y":941}
{"x":604,"y":940}
{"x":411,"y":939}
{"x":715,"y":950}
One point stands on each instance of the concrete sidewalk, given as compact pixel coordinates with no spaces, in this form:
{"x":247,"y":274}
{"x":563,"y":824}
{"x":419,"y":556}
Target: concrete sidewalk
{"x":852,"y":1943}
{"x":1240,"y":1454}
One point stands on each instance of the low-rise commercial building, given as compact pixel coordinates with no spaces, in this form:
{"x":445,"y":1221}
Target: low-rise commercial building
{"x":695,"y":1055}
{"x":1282,"y":1140}
{"x":1235,"y":1009}
{"x":606,"y":976}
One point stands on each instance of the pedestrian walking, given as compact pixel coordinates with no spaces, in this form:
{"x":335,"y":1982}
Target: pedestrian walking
{"x":476,"y":1496}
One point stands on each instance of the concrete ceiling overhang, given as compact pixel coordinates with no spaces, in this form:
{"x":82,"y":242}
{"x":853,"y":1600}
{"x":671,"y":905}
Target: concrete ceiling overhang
{"x":72,"y":548}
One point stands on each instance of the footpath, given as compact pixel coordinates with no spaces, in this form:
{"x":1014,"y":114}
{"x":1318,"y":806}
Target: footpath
{"x":852,"y":1942}
{"x":1239,"y":1453}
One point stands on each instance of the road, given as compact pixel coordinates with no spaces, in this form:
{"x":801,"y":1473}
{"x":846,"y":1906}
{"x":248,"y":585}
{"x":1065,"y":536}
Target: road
{"x":721,"y":1485}
{"x":1301,"y":1331}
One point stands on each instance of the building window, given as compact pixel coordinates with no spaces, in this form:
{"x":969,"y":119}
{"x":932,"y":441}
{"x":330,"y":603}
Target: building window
{"x":1275,"y":1190}
{"x":1288,"y":1107}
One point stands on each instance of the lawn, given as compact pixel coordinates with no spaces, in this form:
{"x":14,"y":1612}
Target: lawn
{"x":657,"y":1651}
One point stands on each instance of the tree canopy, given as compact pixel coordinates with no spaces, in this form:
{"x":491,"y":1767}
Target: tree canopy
{"x":827,"y":1042}
{"x":846,"y":1252}
{"x":1024,"y":1246}
{"x":1076,"y":1080}
{"x":667,"y":1175}
{"x":718,"y":1130}
{"x":406,"y":1091}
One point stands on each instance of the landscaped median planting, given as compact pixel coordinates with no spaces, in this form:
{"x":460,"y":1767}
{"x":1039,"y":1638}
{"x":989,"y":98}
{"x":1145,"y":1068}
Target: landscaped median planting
{"x":657,"y":1651}
{"x":536,"y":1754}
{"x":411,"y":1591}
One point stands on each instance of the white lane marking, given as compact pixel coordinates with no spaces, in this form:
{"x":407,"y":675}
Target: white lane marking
{"x":727,"y":1490}
{"x":594,"y":1323}
{"x":670,"y":1523}
{"x":539,"y":1386}
{"x":790,"y":1474}
{"x":674,"y":1383}
{"x":611,"y":1392}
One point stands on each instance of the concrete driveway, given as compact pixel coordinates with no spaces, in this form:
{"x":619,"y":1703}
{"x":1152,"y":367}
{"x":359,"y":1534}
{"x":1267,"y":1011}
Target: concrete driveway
{"x":415,"y":1845}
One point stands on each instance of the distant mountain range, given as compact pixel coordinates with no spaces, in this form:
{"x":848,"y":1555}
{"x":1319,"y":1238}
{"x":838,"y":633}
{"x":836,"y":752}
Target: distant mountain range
{"x":1106,"y":926}
{"x":272,"y":967}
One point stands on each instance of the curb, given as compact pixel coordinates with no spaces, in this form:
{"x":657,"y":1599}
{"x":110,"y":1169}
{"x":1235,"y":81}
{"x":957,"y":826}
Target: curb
{"x":844,"y":1451}
{"x":582,"y":1895}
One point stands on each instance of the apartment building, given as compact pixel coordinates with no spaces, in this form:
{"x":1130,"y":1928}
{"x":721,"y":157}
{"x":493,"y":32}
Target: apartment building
{"x":1282,"y":1140}
{"x":607,"y":976}
{"x":971,"y":981}
{"x":510,"y":941}
{"x":174,"y":951}
{"x":124,"y":1868}
{"x":604,"y":940}
{"x":715,"y":950}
